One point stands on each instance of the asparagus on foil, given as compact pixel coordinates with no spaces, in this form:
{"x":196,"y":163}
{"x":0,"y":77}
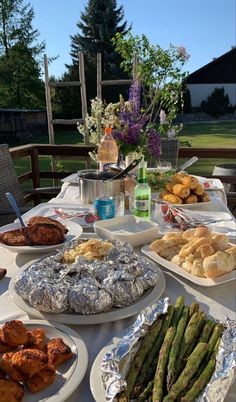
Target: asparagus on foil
{"x":176,"y":358}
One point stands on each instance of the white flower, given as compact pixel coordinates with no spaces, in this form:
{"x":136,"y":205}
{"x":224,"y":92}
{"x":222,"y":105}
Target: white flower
{"x":171,"y":132}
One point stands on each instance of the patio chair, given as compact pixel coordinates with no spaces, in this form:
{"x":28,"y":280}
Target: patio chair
{"x":9,"y":183}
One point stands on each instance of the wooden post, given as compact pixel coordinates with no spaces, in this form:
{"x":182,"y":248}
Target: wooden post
{"x":99,"y":75}
{"x":34,"y":161}
{"x":49,"y":112}
{"x":48,"y":102}
{"x":135,"y":65}
{"x":83,"y":93}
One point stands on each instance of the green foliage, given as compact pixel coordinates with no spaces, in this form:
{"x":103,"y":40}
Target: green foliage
{"x":20,"y":57}
{"x":217,"y":103}
{"x":160,"y":72}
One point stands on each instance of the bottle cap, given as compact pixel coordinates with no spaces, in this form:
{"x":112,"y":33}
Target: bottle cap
{"x":108,"y":130}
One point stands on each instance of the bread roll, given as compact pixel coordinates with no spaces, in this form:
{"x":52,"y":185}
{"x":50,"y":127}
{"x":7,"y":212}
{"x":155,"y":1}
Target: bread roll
{"x":192,"y":246}
{"x":197,"y":268}
{"x":200,"y":231}
{"x":218,"y":264}
{"x":204,"y":251}
{"x":219,"y":241}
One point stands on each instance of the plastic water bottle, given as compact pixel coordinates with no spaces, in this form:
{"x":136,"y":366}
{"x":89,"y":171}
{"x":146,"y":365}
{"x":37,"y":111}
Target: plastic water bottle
{"x":107,"y":150}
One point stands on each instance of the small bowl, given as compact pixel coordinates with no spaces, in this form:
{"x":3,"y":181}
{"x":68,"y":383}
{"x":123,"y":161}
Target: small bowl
{"x":129,"y":228}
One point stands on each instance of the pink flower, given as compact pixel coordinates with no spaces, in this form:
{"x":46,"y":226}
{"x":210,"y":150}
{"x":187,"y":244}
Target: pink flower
{"x":182,"y":52}
{"x":162,"y":117}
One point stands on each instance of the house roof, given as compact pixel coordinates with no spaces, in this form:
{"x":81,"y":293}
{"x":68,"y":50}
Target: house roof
{"x":221,"y":70}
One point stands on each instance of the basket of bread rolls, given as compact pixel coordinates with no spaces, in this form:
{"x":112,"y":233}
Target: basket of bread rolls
{"x":198,"y":251}
{"x":183,"y":189}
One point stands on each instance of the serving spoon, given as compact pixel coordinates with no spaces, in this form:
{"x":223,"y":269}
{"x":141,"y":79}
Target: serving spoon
{"x":15,"y":207}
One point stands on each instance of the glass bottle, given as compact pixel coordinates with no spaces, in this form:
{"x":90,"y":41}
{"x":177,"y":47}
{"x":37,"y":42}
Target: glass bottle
{"x":142,"y":194}
{"x":107,"y":150}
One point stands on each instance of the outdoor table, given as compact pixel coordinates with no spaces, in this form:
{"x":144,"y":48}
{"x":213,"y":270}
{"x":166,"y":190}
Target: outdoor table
{"x":218,"y":302}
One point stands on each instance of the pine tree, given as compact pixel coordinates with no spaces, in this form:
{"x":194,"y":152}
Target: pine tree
{"x":98,"y":24}
{"x":20,"y":57}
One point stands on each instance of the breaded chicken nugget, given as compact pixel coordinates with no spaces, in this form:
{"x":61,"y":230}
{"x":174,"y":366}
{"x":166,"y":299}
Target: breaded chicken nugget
{"x":190,"y":181}
{"x":3,"y":346}
{"x":172,"y":198}
{"x":58,"y":352}
{"x":204,"y":197}
{"x":199,"y":190}
{"x":169,"y":187}
{"x":11,"y":391}
{"x":191,"y":199}
{"x":42,"y":379}
{"x":7,"y":367}
{"x":36,"y":339}
{"x":163,"y":192}
{"x":181,"y":191}
{"x":29,"y":361}
{"x":14,"y":333}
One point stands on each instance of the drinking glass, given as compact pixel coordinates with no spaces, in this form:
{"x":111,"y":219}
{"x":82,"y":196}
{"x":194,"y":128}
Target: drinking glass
{"x":119,"y":200}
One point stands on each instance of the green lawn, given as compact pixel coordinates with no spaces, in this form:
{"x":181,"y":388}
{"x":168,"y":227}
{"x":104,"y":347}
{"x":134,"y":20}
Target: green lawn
{"x":210,"y":134}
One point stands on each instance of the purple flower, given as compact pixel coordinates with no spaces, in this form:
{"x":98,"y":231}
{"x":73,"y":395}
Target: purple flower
{"x":135,"y":97}
{"x":154,"y":143}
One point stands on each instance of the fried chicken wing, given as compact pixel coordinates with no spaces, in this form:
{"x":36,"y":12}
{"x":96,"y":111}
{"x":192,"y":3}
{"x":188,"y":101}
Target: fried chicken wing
{"x":11,"y":391}
{"x":58,"y":351}
{"x":36,"y":339}
{"x":7,"y":367}
{"x":14,"y":333}
{"x":42,"y":379}
{"x":4,"y":347}
{"x":29,"y":361}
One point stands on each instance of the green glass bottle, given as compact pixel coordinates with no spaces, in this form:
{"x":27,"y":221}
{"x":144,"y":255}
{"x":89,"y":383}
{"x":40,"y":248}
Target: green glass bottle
{"x":142,"y":194}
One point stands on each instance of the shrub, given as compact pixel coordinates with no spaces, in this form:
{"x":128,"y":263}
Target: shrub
{"x":217,"y":103}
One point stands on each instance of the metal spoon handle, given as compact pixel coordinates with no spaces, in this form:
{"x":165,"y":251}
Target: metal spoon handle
{"x":187,"y":164}
{"x":124,"y":172}
{"x":14,"y":205}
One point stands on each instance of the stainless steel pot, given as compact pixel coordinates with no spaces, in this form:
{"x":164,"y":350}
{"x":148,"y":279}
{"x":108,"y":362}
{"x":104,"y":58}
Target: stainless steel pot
{"x":91,"y":187}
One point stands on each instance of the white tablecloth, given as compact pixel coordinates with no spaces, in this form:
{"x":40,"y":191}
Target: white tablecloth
{"x":216,"y":301}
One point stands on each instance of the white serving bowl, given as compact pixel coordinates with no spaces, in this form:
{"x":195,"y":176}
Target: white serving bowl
{"x":135,"y":231}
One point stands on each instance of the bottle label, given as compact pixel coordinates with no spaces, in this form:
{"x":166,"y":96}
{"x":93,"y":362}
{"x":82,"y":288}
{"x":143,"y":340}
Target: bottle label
{"x":142,"y":205}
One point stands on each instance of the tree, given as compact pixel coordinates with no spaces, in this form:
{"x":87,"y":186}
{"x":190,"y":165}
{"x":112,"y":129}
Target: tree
{"x":20,"y":57}
{"x":217,"y":103}
{"x":99,"y":23}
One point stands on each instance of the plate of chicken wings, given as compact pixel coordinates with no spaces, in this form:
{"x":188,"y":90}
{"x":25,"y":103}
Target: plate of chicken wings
{"x":40,"y":360}
{"x":41,"y":235}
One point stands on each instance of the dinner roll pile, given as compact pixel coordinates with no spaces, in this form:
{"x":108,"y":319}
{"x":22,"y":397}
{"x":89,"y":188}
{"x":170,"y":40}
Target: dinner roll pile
{"x":198,"y":251}
{"x":184,"y":189}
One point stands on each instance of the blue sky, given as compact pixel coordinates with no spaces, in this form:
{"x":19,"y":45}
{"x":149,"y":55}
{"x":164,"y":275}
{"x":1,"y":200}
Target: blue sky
{"x":207,"y":28}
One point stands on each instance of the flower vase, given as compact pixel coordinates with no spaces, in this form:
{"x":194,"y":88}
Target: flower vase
{"x":130,"y":157}
{"x":170,"y":150}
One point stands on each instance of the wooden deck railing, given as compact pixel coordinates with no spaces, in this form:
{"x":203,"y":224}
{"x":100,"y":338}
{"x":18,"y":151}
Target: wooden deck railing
{"x":80,"y":152}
